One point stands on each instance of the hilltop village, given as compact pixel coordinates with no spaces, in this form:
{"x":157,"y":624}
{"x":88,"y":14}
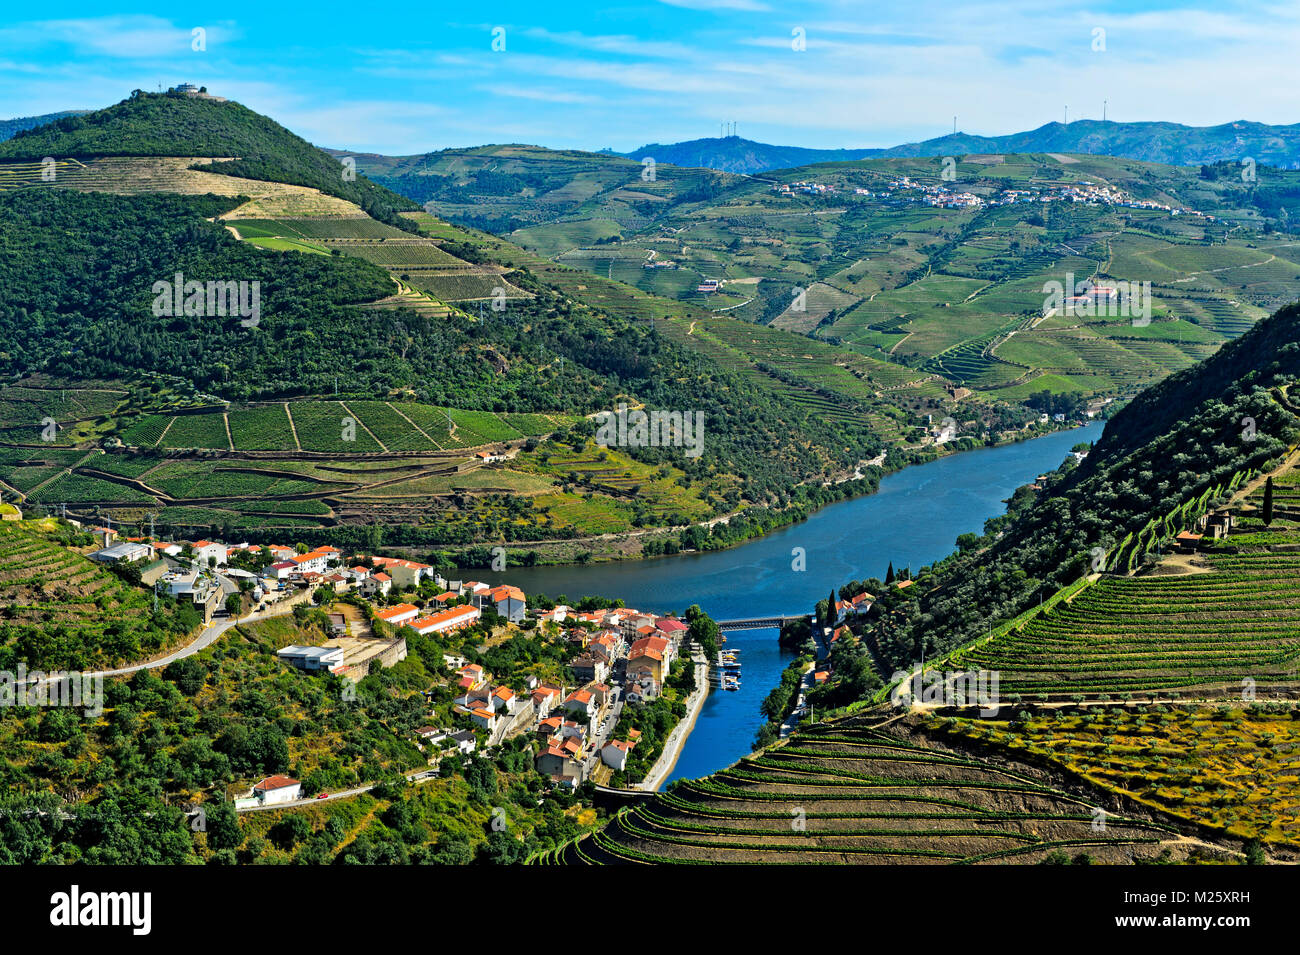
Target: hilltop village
{"x":904,"y":189}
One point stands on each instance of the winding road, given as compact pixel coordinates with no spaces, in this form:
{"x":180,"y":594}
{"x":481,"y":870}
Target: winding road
{"x":206,"y":638}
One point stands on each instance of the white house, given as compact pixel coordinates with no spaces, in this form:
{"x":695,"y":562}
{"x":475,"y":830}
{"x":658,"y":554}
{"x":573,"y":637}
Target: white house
{"x":122,"y":552}
{"x":377,"y":583}
{"x":465,"y":741}
{"x":311,"y":658}
{"x":614,"y":754}
{"x":507,"y":601}
{"x":279,"y":570}
{"x":446,"y":621}
{"x":405,"y":573}
{"x":504,"y":698}
{"x":277,"y":789}
{"x":207,"y":551}
{"x":582,"y":703}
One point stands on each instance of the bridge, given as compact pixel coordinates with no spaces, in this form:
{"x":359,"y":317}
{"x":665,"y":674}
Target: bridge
{"x":759,"y":623}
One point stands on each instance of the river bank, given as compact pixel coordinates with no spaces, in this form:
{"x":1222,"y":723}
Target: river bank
{"x":646,"y":543}
{"x":667,"y":760}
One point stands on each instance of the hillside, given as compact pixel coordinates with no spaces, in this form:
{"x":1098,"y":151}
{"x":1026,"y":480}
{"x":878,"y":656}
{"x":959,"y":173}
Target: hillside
{"x":1171,"y":143}
{"x":10,"y":127}
{"x":914,"y":263}
{"x":396,"y":331}
{"x":64,"y":612}
{"x":1180,"y":446}
{"x":505,"y":187}
{"x":1150,"y":689}
{"x":173,"y":124}
{"x":858,"y":791}
{"x":743,"y":156}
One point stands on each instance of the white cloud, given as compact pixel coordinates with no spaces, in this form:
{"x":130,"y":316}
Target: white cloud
{"x":749,"y":5}
{"x":130,"y":36}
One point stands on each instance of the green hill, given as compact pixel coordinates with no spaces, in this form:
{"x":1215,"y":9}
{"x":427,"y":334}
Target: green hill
{"x":1181,"y":442}
{"x":913,"y":262}
{"x":174,"y":124}
{"x":11,"y":127}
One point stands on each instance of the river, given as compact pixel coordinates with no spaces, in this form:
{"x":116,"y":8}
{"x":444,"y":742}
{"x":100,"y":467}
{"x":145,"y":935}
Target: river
{"x":914,"y":519}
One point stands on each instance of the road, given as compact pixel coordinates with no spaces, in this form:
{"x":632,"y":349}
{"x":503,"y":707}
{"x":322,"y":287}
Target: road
{"x":677,"y":738}
{"x":205,"y":639}
{"x":805,"y":684}
{"x":599,"y":739}
{"x":421,"y":776}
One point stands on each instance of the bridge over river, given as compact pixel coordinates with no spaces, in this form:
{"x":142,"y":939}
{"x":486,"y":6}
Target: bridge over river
{"x":759,"y":623}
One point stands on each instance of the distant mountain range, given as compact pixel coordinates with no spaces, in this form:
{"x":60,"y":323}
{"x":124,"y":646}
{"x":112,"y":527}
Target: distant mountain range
{"x":8,"y":127}
{"x":1170,"y":143}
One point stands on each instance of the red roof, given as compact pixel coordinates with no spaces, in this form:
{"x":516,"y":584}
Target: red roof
{"x":658,"y":644}
{"x":275,"y":782}
{"x":388,"y":613}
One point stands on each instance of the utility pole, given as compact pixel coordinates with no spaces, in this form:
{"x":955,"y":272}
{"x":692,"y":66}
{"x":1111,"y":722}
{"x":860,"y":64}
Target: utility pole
{"x":1103,"y":111}
{"x":954,"y":125}
{"x":1067,"y":116}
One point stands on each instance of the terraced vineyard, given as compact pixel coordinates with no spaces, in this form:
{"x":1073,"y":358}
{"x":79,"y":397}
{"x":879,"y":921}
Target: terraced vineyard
{"x":1203,"y":634}
{"x":323,"y":426}
{"x":853,"y":791}
{"x":414,"y":262}
{"x":64,"y":611}
{"x":1230,"y":768}
{"x":138,"y":175}
{"x":907,"y":283}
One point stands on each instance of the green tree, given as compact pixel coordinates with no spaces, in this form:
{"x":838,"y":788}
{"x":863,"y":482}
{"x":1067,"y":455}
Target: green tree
{"x":223,"y":826}
{"x":1267,"y":510}
{"x":703,"y":630}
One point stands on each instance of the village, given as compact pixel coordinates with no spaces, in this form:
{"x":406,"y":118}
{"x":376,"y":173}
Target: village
{"x":905,"y":189}
{"x":607,"y":663}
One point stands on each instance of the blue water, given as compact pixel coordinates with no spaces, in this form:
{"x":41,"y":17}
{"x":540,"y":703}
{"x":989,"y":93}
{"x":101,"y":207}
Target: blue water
{"x":913,"y":520}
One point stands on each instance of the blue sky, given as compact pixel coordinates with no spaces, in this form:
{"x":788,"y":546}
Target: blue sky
{"x":621,"y":74}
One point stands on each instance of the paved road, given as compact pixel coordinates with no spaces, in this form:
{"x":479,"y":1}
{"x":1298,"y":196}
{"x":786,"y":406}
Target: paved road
{"x":599,"y":739}
{"x":420,"y":776}
{"x":805,"y":684}
{"x":209,"y":636}
{"x":677,"y":738}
